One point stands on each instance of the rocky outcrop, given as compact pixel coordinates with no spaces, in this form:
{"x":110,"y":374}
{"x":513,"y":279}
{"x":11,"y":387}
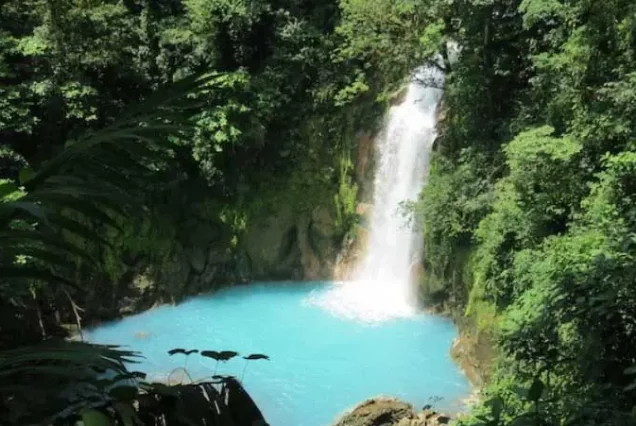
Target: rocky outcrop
{"x":390,"y":412}
{"x":353,"y":247}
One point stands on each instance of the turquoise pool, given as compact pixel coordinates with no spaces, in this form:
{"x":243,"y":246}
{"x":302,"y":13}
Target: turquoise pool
{"x":321,"y":363}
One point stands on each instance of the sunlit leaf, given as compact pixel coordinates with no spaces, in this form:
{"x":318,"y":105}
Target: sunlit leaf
{"x":496,"y":406}
{"x":631,"y":370}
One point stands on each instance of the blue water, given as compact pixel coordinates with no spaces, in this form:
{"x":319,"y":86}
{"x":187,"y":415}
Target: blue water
{"x":321,"y":364}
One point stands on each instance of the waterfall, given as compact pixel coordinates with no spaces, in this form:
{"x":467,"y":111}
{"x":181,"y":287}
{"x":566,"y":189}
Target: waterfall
{"x":383,"y":287}
{"x":403,"y":152}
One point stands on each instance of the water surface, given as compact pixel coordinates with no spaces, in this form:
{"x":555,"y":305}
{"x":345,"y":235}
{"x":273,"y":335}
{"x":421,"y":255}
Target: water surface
{"x":321,"y":363}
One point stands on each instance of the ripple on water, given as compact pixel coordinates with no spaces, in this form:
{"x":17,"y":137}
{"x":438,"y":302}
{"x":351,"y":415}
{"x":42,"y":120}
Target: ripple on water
{"x":327,"y":352}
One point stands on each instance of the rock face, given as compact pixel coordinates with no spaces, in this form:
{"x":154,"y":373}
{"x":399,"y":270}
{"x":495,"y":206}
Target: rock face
{"x":291,"y":245}
{"x":284,"y":241}
{"x":364,"y":165}
{"x":270,"y":245}
{"x":289,"y":225}
{"x":352,"y":251}
{"x":390,"y":412}
{"x":474,"y":351}
{"x":351,"y":255}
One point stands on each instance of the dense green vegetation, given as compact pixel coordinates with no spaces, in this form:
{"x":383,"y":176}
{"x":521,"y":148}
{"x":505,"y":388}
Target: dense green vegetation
{"x":98,"y":179}
{"x":528,"y":217}
{"x":108,"y":207}
{"x":273,"y":137}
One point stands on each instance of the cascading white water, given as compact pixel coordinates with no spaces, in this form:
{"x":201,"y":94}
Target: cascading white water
{"x":383,"y":287}
{"x":403,"y":154}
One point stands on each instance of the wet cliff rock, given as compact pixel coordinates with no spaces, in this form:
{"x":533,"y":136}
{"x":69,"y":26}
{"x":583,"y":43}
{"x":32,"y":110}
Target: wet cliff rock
{"x":288,"y":244}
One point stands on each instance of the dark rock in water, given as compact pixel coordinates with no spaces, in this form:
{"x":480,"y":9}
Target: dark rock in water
{"x":390,"y":412}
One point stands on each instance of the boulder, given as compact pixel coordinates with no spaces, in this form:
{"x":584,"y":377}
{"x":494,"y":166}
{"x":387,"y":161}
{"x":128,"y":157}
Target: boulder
{"x":390,"y":412}
{"x":378,"y":412}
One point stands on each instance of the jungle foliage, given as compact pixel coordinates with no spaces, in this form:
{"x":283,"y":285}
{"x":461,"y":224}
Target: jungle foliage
{"x":274,"y":124}
{"x":528,"y":215}
{"x":79,"y":382}
{"x":97,"y":179}
{"x":119,"y":121}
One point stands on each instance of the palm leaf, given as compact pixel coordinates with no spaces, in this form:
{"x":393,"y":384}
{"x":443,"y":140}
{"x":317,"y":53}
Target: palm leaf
{"x":17,"y":238}
{"x":16,"y":207}
{"x":35,"y":253}
{"x":155,"y":110}
{"x":90,"y":210}
{"x":78,"y":228}
{"x":33,"y":273}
